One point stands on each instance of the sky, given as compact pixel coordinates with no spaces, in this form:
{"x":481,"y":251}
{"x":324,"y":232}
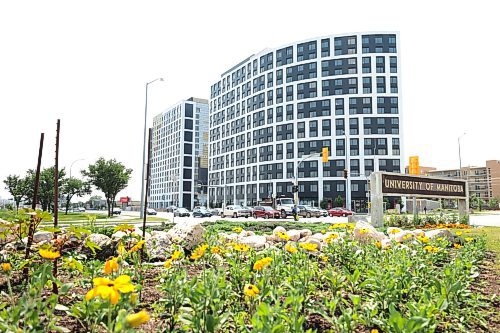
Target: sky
{"x":87,"y":63}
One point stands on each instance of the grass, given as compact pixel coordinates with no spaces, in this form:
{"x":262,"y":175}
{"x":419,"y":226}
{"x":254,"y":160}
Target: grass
{"x":492,"y":235}
{"x":80,"y":216}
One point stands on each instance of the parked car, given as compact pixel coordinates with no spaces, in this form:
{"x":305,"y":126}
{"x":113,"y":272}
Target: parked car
{"x":116,"y":211}
{"x":338,"y":211}
{"x":309,"y":211}
{"x":201,"y":212}
{"x":151,"y":211}
{"x":170,"y":209}
{"x":236,"y":211}
{"x":266,"y":212}
{"x":216,"y":211}
{"x":181,"y":212}
{"x":80,"y":209}
{"x":324,"y":212}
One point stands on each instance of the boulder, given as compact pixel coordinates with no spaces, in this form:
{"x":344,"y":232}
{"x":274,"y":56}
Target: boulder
{"x":277,"y":230}
{"x":256,"y":242}
{"x":365,"y":232}
{"x":157,"y":245}
{"x":402,"y":236}
{"x":305,"y":233}
{"x":40,"y":236}
{"x":188,"y":235}
{"x":294,"y":235}
{"x":318,"y":236}
{"x":104,"y":242}
{"x":313,"y":240}
{"x":418,"y":232}
{"x":228,"y":237}
{"x":433,"y":234}
{"x":245,"y":233}
{"x":118,"y":235}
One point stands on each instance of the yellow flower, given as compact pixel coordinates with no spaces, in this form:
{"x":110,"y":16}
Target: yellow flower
{"x":133,"y":298}
{"x":121,"y":249}
{"x":378,"y":244}
{"x":215,"y":250}
{"x":284,"y":236}
{"x":290,"y":248}
{"x":363,"y":231}
{"x":324,"y":258}
{"x":459,"y":233}
{"x":323,"y":231}
{"x":111,"y":266}
{"x":168,"y":263}
{"x":440,"y":238}
{"x":137,"y":246}
{"x":260,"y":264}
{"x":176,"y":255}
{"x":431,"y":249}
{"x":457,"y":246}
{"x":241,"y":247}
{"x":105,"y":288}
{"x":6,"y":267}
{"x":394,"y":231}
{"x":251,"y":290}
{"x":137,"y":319}
{"x":331,"y":237}
{"x":199,"y":252}
{"x":49,"y":254}
{"x":374,"y":330}
{"x":309,"y":247}
{"x":125,"y":228}
{"x":423,"y":239}
{"x":238,"y":230}
{"x":468,"y":239}
{"x":407,"y":236}
{"x":467,"y":231}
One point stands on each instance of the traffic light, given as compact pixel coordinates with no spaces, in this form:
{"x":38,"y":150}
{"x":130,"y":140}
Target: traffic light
{"x":325,"y":154}
{"x":345,"y":173}
{"x":295,"y":188}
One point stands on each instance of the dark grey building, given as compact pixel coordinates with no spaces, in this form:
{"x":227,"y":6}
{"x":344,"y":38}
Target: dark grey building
{"x":180,"y":155}
{"x":278,"y":106}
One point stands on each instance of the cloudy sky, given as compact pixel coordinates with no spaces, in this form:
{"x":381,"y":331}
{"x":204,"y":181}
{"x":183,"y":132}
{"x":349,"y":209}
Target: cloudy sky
{"x":87,"y":62}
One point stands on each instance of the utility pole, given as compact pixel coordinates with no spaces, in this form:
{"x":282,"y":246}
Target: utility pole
{"x":56,"y":199}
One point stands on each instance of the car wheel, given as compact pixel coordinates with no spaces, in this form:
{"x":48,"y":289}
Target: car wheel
{"x":308,"y":214}
{"x":283,"y":214}
{"x":235,"y":215}
{"x":331,"y":215}
{"x":344,"y":215}
{"x":254,"y":216}
{"x":266,"y":216}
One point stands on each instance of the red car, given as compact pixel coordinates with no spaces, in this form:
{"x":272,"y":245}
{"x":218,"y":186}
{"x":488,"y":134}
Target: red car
{"x":339,"y":212}
{"x":266,"y":212}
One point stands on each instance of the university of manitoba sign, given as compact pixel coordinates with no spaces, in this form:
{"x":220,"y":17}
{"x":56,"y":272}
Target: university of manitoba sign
{"x":419,"y":186}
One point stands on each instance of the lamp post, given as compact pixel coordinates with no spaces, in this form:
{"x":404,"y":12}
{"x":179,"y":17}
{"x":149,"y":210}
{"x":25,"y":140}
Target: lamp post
{"x":81,"y":159}
{"x":296,"y":180}
{"x":460,"y":157}
{"x":144,"y":145}
{"x":347,"y":185}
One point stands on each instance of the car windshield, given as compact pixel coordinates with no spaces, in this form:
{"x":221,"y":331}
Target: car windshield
{"x":268,"y":208}
{"x":287,"y":201}
{"x":182,"y":210}
{"x":237,"y":207}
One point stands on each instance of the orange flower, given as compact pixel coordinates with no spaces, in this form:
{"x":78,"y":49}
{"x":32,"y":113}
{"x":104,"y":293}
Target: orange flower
{"x":111,"y":266}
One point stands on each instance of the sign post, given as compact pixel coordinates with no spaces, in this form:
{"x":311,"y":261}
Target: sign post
{"x":383,"y":183}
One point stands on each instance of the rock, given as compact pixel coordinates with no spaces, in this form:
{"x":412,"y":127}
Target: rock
{"x":118,"y":235}
{"x":365,"y":232}
{"x":245,"y":233}
{"x":313,"y":240}
{"x":188,"y":235}
{"x":294,"y":235}
{"x":318,"y":236}
{"x":104,"y":242}
{"x":433,"y":234}
{"x":40,"y":236}
{"x":386,"y":243}
{"x":277,"y":230}
{"x":402,"y":236}
{"x":271,"y":238}
{"x":418,"y":232}
{"x":157,"y":245}
{"x":256,"y":242}
{"x":228,"y":237}
{"x":305,"y":233}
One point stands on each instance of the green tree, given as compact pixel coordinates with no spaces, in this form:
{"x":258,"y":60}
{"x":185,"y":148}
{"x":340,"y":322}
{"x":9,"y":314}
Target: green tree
{"x":476,"y":202}
{"x":339,"y":202}
{"x":17,"y":187}
{"x":493,"y":203}
{"x":46,"y":187}
{"x":74,"y":186}
{"x":108,"y":176}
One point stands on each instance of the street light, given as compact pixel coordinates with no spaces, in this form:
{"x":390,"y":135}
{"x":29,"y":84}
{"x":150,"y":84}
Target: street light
{"x":460,"y":157}
{"x":296,"y":180}
{"x":347,"y":187}
{"x":81,"y":159}
{"x":144,"y":145}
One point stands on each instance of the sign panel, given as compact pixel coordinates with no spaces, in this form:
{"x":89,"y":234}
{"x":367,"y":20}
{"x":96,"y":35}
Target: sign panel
{"x":414,"y":168}
{"x":124,"y":199}
{"x":422,"y":186}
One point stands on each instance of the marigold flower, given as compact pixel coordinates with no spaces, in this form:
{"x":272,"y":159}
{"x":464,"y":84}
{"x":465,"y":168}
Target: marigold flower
{"x":440,"y":238}
{"x":137,"y":246}
{"x":407,"y":236}
{"x":324,"y":258}
{"x":251,"y":290}
{"x":331,"y":237}
{"x":49,"y":254}
{"x":241,"y":247}
{"x":215,"y":250}
{"x":106,"y":288}
{"x":431,"y":249}
{"x":176,"y":255}
{"x":137,"y":319}
{"x":6,"y":267}
{"x":459,"y":233}
{"x":363,"y":231}
{"x":125,"y":228}
{"x":199,"y":252}
{"x":168,"y":263}
{"x":111,"y":266}
{"x":284,"y":236}
{"x":378,"y":244}
{"x":374,"y":330}
{"x":468,"y":239}
{"x":457,"y":246}
{"x":290,"y":248}
{"x":323,"y":231}
{"x":121,"y":249}
{"x":423,"y":239}
{"x":238,"y":230}
{"x":394,"y":231}
{"x":309,"y":247}
{"x":260,"y":264}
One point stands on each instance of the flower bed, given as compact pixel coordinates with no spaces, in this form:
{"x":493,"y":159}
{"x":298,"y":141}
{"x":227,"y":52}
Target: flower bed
{"x":343,"y":278}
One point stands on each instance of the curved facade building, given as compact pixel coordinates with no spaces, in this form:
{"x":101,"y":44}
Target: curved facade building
{"x":280,"y":105}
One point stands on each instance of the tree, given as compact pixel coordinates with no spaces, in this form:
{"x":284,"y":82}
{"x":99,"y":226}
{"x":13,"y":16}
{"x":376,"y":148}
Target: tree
{"x":493,"y":203}
{"x":46,"y":187}
{"x":74,"y":186}
{"x":17,"y":187}
{"x":108,"y":176}
{"x":476,"y":202}
{"x":339,"y":202}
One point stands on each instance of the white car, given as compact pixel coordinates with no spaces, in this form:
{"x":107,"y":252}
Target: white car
{"x":236,"y":211}
{"x":151,"y":211}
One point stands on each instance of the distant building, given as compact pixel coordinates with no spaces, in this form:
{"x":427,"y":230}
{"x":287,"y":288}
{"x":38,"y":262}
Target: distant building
{"x":179,"y":161}
{"x":424,"y":171}
{"x":484,"y":181}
